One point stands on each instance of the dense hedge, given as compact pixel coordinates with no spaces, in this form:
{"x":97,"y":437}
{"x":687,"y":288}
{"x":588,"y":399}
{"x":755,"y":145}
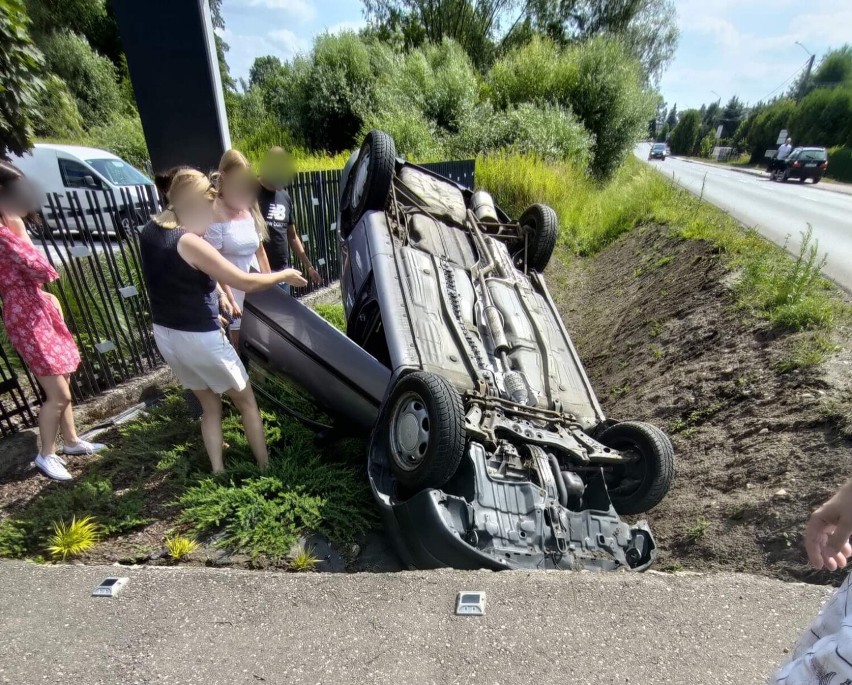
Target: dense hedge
{"x":840,"y":164}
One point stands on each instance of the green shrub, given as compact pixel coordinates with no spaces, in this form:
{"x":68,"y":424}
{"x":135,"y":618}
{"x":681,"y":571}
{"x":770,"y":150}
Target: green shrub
{"x":547,"y":131}
{"x":74,"y":538}
{"x":707,"y":145}
{"x":840,"y":164}
{"x":90,"y":77}
{"x":122,"y":136}
{"x":59,"y":116}
{"x":824,"y":117}
{"x":598,"y":80}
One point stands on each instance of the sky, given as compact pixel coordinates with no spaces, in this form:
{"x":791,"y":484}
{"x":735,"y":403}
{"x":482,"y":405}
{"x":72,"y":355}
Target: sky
{"x":733,"y":47}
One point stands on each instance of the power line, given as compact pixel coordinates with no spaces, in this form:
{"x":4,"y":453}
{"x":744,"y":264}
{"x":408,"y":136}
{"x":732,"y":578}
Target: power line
{"x":797,"y":72}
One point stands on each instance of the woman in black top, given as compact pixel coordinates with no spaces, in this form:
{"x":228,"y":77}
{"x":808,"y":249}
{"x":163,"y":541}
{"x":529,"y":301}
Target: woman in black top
{"x":181,"y":270}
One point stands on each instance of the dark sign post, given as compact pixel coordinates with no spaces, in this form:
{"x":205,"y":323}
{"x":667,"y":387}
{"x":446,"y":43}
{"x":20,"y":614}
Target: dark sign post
{"x":171,"y":55}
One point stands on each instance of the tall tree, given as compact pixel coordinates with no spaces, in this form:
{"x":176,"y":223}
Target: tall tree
{"x":671,"y":120}
{"x":263,"y":69}
{"x":732,"y":116}
{"x":648,"y":27}
{"x":835,"y":69}
{"x":20,"y":65}
{"x":222,"y":47}
{"x":685,"y":136}
{"x":473,"y":24}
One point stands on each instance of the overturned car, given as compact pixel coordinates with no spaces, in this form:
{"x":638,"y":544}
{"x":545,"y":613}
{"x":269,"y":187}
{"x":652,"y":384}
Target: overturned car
{"x":488,"y":447}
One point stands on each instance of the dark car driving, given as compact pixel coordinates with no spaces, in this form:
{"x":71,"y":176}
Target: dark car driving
{"x":803,"y":163}
{"x":658,"y":151}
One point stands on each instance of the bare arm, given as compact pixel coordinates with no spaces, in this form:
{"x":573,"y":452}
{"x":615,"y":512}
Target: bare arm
{"x":298,"y":249}
{"x":199,"y":254}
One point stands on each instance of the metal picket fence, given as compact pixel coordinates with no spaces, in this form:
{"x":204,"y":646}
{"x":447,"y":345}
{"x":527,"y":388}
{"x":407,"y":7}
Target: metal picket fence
{"x":92,"y":239}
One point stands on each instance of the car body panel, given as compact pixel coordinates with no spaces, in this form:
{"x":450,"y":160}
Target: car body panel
{"x":290,"y":339}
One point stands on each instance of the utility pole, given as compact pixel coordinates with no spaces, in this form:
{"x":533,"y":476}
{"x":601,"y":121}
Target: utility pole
{"x":808,"y":68}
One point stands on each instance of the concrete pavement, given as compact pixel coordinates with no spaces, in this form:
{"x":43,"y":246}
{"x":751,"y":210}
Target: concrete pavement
{"x":779,"y":211}
{"x":211,"y":626}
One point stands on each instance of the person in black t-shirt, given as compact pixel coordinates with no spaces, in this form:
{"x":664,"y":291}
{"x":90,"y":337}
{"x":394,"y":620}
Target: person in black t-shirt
{"x":276,"y":207}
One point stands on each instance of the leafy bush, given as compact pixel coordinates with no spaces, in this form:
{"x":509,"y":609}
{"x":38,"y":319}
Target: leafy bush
{"x":599,"y":81}
{"x":840,"y":164}
{"x":547,"y":131}
{"x":707,"y":145}
{"x":122,"y":136}
{"x":20,"y":85}
{"x":684,"y":137}
{"x":59,"y":116}
{"x":334,"y":89}
{"x":90,"y":77}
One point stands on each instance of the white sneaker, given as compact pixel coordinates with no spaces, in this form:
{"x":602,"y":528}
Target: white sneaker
{"x":82,"y":447}
{"x":52,"y":467}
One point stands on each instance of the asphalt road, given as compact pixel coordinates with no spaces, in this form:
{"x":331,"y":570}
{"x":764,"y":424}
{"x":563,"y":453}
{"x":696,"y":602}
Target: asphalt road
{"x":211,"y":626}
{"x":779,"y":211}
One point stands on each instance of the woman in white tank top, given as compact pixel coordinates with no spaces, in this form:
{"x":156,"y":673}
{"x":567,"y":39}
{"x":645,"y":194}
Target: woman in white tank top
{"x":238,"y":230}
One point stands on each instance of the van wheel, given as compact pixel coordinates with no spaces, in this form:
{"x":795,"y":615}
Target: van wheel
{"x":642,"y":484}
{"x":542,"y":225}
{"x":372,"y":174}
{"x":426,"y":436}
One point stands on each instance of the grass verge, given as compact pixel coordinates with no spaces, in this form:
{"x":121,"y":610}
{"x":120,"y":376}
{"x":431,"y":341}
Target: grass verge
{"x":789,"y":292}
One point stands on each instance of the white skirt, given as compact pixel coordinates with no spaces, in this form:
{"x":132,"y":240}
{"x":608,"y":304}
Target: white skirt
{"x":202,"y":361}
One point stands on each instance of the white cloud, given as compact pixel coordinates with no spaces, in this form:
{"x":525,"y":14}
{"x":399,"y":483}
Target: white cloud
{"x":748,"y":47}
{"x":344,"y":26}
{"x":290,"y":44}
{"x":298,"y":10}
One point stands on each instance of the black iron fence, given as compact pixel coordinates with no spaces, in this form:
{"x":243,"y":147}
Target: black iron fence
{"x":92,"y":239}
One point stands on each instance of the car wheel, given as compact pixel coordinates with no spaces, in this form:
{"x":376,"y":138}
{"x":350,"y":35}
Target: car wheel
{"x":37,"y":228}
{"x":426,"y":430}
{"x":816,"y":179}
{"x":642,"y":484}
{"x":543,"y":226}
{"x":372,"y":174}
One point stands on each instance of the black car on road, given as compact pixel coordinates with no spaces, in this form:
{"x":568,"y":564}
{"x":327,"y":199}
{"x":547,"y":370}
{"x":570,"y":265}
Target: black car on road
{"x":658,"y":151}
{"x":803,"y":163}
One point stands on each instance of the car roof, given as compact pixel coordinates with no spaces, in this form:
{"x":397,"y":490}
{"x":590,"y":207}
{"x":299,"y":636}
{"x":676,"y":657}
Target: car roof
{"x":78,"y":151}
{"x":801,"y":149}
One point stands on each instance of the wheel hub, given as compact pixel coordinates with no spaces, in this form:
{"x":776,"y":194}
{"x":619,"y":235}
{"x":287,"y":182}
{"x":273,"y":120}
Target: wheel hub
{"x":410,"y":432}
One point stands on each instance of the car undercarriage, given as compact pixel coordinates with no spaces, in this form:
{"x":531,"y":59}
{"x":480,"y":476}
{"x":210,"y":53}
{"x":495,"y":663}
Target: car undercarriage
{"x":488,"y":448}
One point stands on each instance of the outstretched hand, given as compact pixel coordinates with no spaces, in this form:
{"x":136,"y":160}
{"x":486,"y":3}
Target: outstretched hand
{"x":828,"y":531}
{"x":292,"y":277}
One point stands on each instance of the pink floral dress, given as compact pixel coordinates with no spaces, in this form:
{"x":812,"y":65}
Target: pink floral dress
{"x":33,"y":323}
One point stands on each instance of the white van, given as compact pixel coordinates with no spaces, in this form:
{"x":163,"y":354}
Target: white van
{"x":76,"y":177}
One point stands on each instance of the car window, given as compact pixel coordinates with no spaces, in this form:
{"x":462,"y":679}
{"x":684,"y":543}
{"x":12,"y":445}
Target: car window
{"x":794,"y":155}
{"x":118,"y":172}
{"x":74,"y":174}
{"x":659,"y":147}
{"x":817,"y":155}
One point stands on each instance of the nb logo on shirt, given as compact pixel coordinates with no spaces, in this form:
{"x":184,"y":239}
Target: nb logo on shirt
{"x":277,"y":213}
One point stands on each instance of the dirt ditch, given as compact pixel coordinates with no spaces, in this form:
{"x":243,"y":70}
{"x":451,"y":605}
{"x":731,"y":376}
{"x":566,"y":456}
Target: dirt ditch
{"x":656,"y":325}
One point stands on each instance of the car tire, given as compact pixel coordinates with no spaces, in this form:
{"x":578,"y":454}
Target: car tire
{"x":654,"y":469}
{"x":38,"y":229}
{"x":543,"y":225}
{"x":372,"y":175}
{"x":426,"y":436}
{"x":816,"y":179}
